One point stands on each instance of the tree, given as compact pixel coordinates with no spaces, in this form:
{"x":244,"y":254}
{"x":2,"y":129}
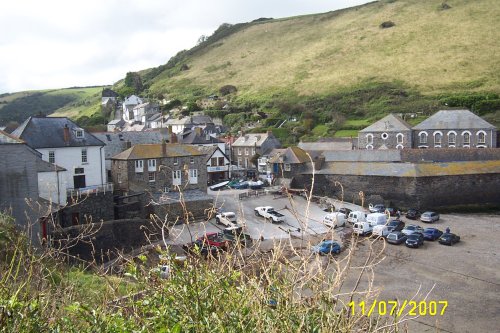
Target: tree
{"x":133,"y":80}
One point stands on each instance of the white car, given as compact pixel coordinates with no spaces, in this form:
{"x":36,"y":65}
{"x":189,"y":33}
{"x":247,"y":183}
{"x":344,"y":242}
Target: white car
{"x":226,"y":218}
{"x":429,"y":217}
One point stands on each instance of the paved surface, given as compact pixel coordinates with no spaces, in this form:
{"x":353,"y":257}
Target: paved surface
{"x":467,"y":274}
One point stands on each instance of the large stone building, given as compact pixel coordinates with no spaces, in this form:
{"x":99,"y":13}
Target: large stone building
{"x":248,"y":145}
{"x":453,"y":129}
{"x":390,"y":132}
{"x":159,"y":168}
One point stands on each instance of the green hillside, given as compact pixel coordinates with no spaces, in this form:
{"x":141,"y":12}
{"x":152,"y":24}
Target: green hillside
{"x":71,"y":102}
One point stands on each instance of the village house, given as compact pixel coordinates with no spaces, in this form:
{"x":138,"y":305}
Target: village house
{"x":128,"y":107}
{"x":143,"y":111}
{"x":218,"y":164}
{"x":249,"y":145}
{"x":61,"y":142}
{"x":159,"y":168}
{"x":454,"y":129}
{"x":288,"y":162}
{"x":198,"y":137}
{"x":180,"y":125}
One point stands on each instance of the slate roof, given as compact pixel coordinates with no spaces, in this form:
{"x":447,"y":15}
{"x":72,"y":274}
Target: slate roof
{"x":155,"y":151}
{"x":210,"y":150}
{"x":337,"y":144}
{"x":44,"y":166}
{"x":6,"y":138}
{"x":291,"y":155}
{"x":454,"y":119}
{"x":390,"y":123}
{"x":132,"y":100}
{"x":117,"y":142}
{"x":252,"y":139}
{"x":194,"y":138}
{"x":48,"y":132}
{"x":363,"y":155}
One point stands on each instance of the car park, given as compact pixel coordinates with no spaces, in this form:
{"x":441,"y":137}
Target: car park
{"x":334,"y":220}
{"x":396,"y":238}
{"x":381,"y":230}
{"x":429,"y":217}
{"x":411,"y":228}
{"x":415,"y":240}
{"x":269,"y":213}
{"x":226,"y":218}
{"x":432,"y":234}
{"x":379,"y":208}
{"x":356,"y":216}
{"x":412,"y":214}
{"x":448,"y":239}
{"x":326,"y":247}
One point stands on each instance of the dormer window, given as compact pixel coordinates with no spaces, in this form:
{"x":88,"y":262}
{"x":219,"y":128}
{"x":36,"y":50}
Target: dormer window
{"x":79,"y":133}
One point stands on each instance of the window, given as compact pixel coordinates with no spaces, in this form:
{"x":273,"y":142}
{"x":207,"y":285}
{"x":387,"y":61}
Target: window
{"x":176,"y":160}
{"x":481,"y":137}
{"x":139,"y":166}
{"x":151,"y":177}
{"x":287,"y":167}
{"x":152,"y":165}
{"x":452,"y":139}
{"x":437,"y":139}
{"x":369,"y":139}
{"x":384,"y":136}
{"x":400,"y":137}
{"x":176,"y":177}
{"x":52,"y":157}
{"x":423,"y":137}
{"x":213,"y":161}
{"x":253,"y":151}
{"x":239,"y":163}
{"x":79,"y":133}
{"x":466,"y":138}
{"x":246,"y":151}
{"x":193,"y":176}
{"x":221,"y":161}
{"x":84,"y":155}
{"x":240,"y":150}
{"x":191,"y":160}
{"x":79,"y":171}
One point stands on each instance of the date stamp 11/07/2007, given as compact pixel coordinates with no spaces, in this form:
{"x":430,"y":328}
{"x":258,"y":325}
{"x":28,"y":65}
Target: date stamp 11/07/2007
{"x":395,"y":308}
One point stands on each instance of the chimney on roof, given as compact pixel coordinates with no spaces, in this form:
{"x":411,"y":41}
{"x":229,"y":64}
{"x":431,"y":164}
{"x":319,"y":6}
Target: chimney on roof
{"x":173,"y":138}
{"x":270,"y":133}
{"x":66,"y":134}
{"x":163,"y":148}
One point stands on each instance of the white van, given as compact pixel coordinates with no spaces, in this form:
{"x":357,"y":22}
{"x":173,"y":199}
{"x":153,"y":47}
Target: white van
{"x":362,"y":228}
{"x":376,"y":219}
{"x":356,"y":216}
{"x":335,"y":219}
{"x":381,"y":230}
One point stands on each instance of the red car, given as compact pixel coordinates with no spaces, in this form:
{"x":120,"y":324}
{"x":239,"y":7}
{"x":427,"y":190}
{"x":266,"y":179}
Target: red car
{"x":214,"y":239}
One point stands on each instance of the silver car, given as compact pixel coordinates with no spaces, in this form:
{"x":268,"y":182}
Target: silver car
{"x":429,"y":217}
{"x":412,"y":228}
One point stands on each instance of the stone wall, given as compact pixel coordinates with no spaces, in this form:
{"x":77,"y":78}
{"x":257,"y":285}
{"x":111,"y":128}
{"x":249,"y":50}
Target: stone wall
{"x":172,"y":212}
{"x":408,"y":192}
{"x":104,"y":241}
{"x":94,"y":207}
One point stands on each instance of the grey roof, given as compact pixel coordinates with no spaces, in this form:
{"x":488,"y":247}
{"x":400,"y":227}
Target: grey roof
{"x":48,"y":132}
{"x":337,"y":144}
{"x":44,"y":166}
{"x":255,"y":139}
{"x":454,"y":119}
{"x":117,"y":142}
{"x":202,"y":119}
{"x":155,"y":117}
{"x":210,"y":150}
{"x":194,"y":138}
{"x":116,"y":122}
{"x":390,"y":122}
{"x":363,"y":155}
{"x":132,"y":100}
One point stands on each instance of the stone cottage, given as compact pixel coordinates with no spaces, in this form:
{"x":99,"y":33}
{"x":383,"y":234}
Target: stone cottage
{"x":390,"y":132}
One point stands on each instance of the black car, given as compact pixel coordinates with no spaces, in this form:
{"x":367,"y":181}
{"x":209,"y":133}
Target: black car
{"x":412,"y":214}
{"x":432,"y":234}
{"x":449,"y":239}
{"x":345,"y":211}
{"x":235,"y":234}
{"x":395,"y":225}
{"x":415,"y":240}
{"x":396,"y":237}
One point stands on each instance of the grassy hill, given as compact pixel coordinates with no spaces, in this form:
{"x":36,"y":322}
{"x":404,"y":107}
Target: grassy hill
{"x":71,"y":102}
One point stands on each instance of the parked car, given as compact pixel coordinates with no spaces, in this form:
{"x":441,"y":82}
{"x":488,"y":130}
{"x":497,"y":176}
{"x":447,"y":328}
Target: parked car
{"x":448,"y":239}
{"x":268,"y":212}
{"x":326,"y":247}
{"x":256,"y":185}
{"x":429,"y":217}
{"x":199,"y":247}
{"x":432,"y":234}
{"x":381,"y":230}
{"x":415,"y":240}
{"x":334,"y":220}
{"x":240,"y":185}
{"x":236,"y":234}
{"x":356,"y":216}
{"x":214,"y":239}
{"x":219,"y":186}
{"x":362,"y":228}
{"x":226,"y":218}
{"x":396,"y":237}
{"x":376,"y":219}
{"x":412,"y":214}
{"x":395,"y":225}
{"x":411,"y":228}
{"x":391,"y":211}
{"x":345,"y":211}
{"x":379,"y":208}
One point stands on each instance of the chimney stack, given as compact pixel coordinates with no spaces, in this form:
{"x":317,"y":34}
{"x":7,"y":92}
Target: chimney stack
{"x":66,"y":134}
{"x":163,"y":148}
{"x":173,"y":138}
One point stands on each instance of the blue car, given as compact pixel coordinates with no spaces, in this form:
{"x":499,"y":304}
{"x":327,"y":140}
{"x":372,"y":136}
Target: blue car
{"x":432,"y":234}
{"x":326,"y":247}
{"x":240,"y":185}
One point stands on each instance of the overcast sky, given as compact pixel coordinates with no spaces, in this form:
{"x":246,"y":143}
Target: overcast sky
{"x":61,"y":43}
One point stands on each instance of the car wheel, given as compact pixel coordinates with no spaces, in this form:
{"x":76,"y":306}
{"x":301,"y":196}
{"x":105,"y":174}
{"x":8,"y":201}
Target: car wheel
{"x":337,"y":251}
{"x":256,"y":213}
{"x":217,"y":221}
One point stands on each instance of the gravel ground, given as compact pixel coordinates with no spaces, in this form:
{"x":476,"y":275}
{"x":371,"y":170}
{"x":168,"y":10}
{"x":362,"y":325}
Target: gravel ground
{"x":467,"y":274}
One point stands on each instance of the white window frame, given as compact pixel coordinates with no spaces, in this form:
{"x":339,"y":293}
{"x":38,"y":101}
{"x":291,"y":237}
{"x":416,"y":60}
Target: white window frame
{"x":369,"y":147}
{"x":193,"y":176}
{"x":191,"y":160}
{"x":85,"y":156}
{"x":452,"y":143}
{"x":246,"y":151}
{"x":79,"y":133}
{"x":240,"y":151}
{"x":152,"y":165}
{"x":176,"y":177}
{"x":466,"y":143}
{"x":369,"y":139}
{"x":422,"y":137}
{"x":139,"y":166}
{"x":438,"y":135}
{"x":287,"y":167}
{"x":400,"y":138}
{"x":52,"y":156}
{"x":479,"y":141}
{"x":253,"y":151}
{"x":151,"y":177}
{"x":176,"y":160}
{"x":119,"y":178}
